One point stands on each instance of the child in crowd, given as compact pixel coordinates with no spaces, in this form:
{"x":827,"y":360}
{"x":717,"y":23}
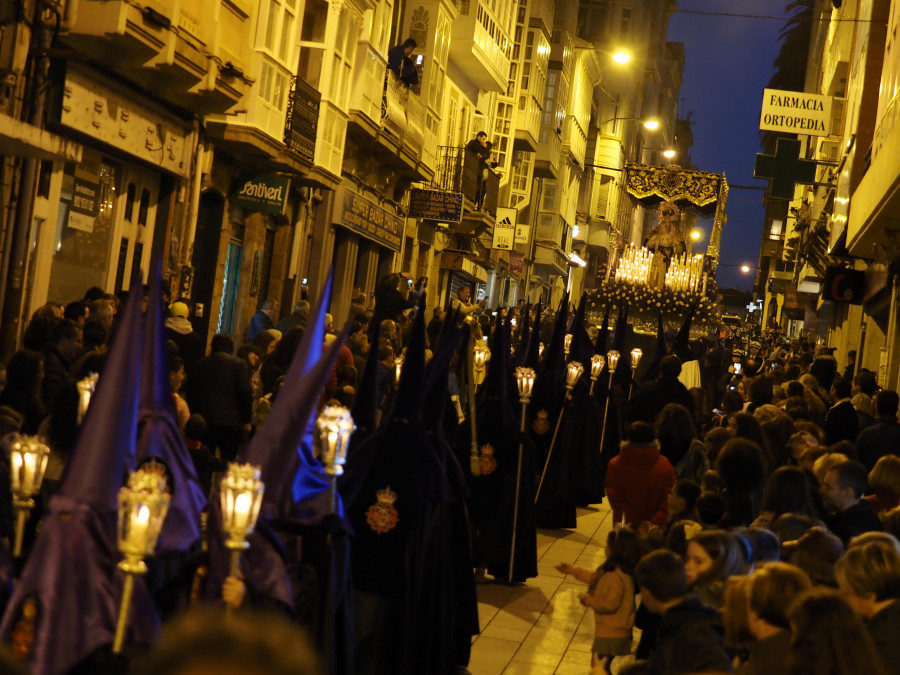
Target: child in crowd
{"x":611,"y":595}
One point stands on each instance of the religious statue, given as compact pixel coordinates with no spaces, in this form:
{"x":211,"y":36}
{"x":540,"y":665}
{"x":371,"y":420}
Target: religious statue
{"x":665,"y":242}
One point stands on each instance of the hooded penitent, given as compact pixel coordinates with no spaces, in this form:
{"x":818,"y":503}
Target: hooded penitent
{"x":399,"y":502}
{"x":160,"y":436}
{"x":66,"y":602}
{"x":499,"y":458}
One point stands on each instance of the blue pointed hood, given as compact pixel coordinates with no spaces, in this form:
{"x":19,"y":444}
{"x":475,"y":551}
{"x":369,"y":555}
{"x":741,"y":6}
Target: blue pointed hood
{"x":276,"y":446}
{"x":105,"y":452}
{"x":160,"y":435}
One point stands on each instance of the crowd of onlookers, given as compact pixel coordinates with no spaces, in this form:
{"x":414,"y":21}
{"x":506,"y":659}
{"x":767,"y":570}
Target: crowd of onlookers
{"x":757,"y":513}
{"x":760,"y":535}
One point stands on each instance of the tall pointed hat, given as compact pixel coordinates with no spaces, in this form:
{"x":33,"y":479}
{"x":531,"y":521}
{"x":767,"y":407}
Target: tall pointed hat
{"x":581,"y":348}
{"x":603,"y":336}
{"x":533,"y":352}
{"x":69,"y":591}
{"x":276,"y":447}
{"x":160,"y":435}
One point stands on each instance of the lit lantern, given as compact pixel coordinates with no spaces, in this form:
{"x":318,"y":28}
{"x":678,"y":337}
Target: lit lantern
{"x":28,"y":458}
{"x":143,"y":505}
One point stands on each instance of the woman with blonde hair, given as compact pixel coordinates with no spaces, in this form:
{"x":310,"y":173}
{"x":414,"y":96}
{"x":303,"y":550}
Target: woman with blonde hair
{"x":884,"y":480}
{"x":770,"y":591}
{"x":868,"y":577}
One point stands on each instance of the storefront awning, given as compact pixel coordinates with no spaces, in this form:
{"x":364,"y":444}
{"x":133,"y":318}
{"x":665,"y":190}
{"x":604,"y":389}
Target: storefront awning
{"x":20,"y":139}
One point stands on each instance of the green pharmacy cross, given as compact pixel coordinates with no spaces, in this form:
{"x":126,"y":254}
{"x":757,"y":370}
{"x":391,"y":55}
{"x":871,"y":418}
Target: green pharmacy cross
{"x":785,"y":168}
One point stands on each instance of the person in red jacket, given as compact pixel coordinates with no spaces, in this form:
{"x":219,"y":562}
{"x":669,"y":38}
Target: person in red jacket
{"x":639,"y":479}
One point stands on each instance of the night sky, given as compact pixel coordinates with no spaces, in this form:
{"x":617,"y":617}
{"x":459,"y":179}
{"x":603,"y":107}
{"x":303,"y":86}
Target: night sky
{"x":728,"y":61}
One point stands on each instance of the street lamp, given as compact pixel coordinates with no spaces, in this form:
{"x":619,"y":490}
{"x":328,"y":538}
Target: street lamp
{"x":621,"y":57}
{"x":650,"y":123}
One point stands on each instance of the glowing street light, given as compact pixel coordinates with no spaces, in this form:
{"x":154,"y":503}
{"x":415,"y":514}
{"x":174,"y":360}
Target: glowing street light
{"x":621,"y":57}
{"x":745,"y":268}
{"x":669,"y":153}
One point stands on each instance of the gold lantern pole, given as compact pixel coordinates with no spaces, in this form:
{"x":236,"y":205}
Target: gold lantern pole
{"x":28,"y":458}
{"x":241,"y":494}
{"x":598,"y":362}
{"x":612,"y":360}
{"x":335,"y":426}
{"x":398,"y":368}
{"x":567,"y":343}
{"x":86,"y":388}
{"x":143,"y":505}
{"x":479,"y":354}
{"x":636,"y":355}
{"x":525,"y":382}
{"x":573,"y":373}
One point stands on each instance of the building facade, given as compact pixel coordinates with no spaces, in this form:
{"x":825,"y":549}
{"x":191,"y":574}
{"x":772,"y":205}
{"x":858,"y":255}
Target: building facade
{"x":248,"y":146}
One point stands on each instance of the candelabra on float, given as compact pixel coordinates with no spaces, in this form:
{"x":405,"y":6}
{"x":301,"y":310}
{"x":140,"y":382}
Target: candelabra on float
{"x":28,"y":458}
{"x":335,"y":426}
{"x":612,"y":360}
{"x":573,"y":373}
{"x":636,"y":355}
{"x":525,"y":381}
{"x":143,"y":505}
{"x":598,"y":362}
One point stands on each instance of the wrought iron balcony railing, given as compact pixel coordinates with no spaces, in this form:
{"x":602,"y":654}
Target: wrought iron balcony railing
{"x":302,"y":118}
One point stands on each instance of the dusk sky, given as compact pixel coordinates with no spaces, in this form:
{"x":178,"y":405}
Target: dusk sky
{"x":728,"y":61}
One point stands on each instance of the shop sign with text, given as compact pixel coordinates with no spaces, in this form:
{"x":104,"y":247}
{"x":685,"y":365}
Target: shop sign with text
{"x":262,"y":192}
{"x":795,"y":112}
{"x":366,"y":218}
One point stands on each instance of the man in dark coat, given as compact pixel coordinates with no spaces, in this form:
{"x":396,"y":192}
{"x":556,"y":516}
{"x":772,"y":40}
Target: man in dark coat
{"x":842,"y":491}
{"x":689,"y":639}
{"x":262,"y":320}
{"x":841,"y":423}
{"x":296,"y":318}
{"x":650,"y":399}
{"x":63,"y":349}
{"x":220,"y":391}
{"x":390,"y":302}
{"x":883,"y":437}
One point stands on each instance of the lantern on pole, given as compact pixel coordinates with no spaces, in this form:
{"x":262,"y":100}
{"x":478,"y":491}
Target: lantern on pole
{"x":598,"y":362}
{"x":612,"y":360}
{"x":28,"y":458}
{"x":335,"y":426}
{"x":567,"y":343}
{"x":241,"y":498}
{"x":574,"y":369}
{"x":143,"y":505}
{"x":525,"y":382}
{"x":636,"y":355}
{"x":86,"y":387}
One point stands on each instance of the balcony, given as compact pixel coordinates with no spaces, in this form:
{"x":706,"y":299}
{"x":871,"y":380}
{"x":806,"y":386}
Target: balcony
{"x":875,"y":204}
{"x":396,"y":125}
{"x":272,"y":138}
{"x":574,"y":140}
{"x":166,"y":48}
{"x":546,"y":161}
{"x":529,"y":130}
{"x":457,"y":171}
{"x":484,"y":59}
{"x":302,"y":118}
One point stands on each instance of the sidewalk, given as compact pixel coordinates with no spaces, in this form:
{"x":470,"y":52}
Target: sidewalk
{"x":540,"y":628}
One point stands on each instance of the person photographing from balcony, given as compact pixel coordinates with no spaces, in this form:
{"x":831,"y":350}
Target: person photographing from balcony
{"x":401,"y":64}
{"x":478,"y":147}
